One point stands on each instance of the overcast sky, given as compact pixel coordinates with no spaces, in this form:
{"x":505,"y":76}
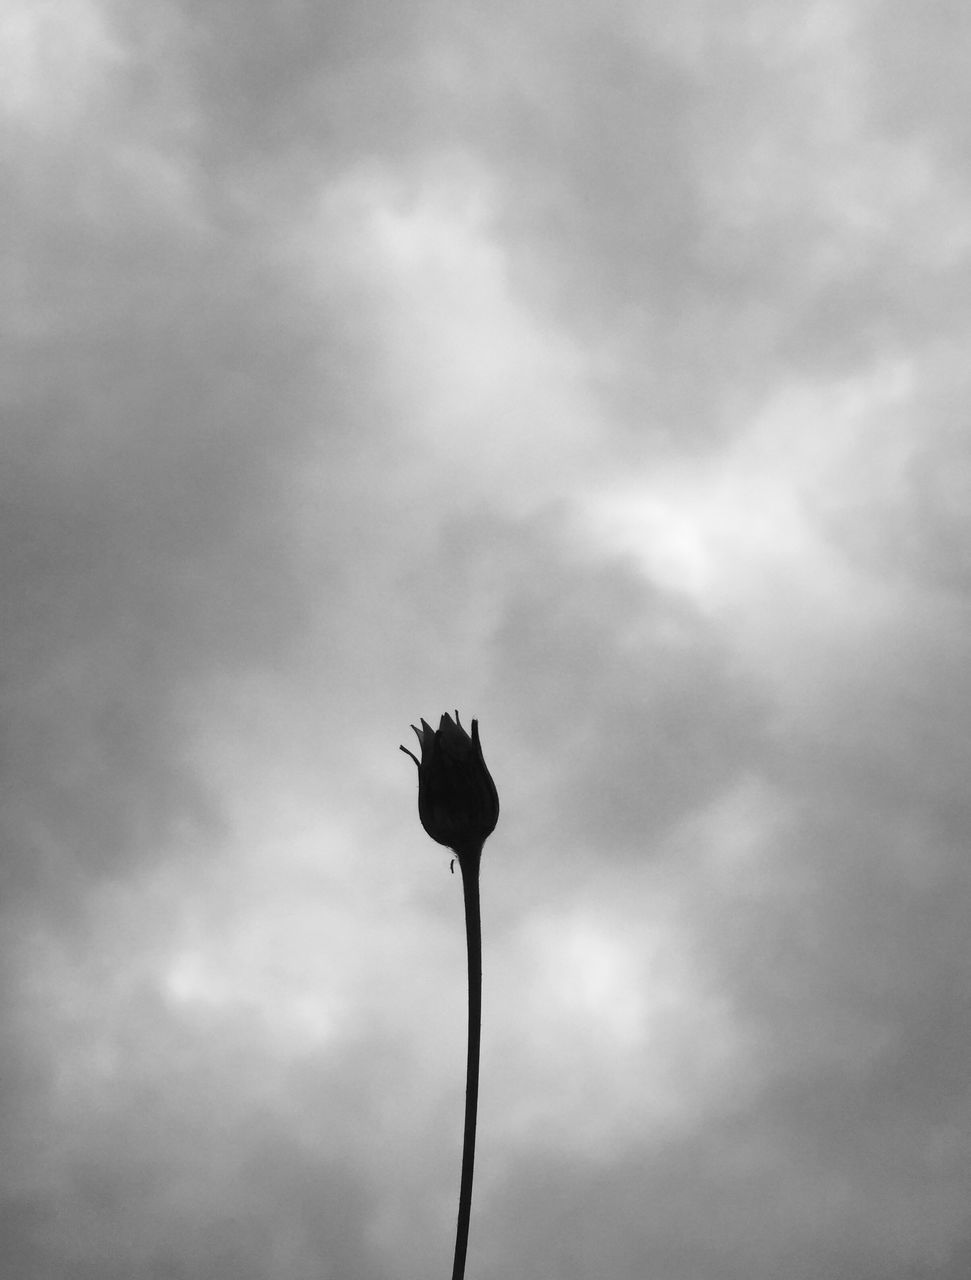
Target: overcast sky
{"x":600,"y":370}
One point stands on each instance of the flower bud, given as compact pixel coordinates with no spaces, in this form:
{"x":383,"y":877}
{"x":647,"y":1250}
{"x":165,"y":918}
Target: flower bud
{"x":457,"y":800}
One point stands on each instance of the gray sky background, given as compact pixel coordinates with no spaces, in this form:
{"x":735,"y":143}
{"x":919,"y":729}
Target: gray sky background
{"x":600,"y":370}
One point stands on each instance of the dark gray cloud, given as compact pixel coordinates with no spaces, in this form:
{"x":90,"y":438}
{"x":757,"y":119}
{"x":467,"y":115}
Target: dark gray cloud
{"x":918,"y":88}
{"x":144,"y":548}
{"x":172,"y":1153}
{"x":636,"y":694}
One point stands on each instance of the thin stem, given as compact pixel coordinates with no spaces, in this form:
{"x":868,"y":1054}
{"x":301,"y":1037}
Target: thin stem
{"x":469,"y":864}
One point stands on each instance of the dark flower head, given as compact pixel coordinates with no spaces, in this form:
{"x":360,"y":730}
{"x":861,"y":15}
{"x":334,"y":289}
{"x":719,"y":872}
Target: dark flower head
{"x":457,"y":800}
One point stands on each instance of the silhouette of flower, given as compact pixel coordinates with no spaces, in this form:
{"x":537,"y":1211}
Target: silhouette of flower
{"x":459,"y":807}
{"x":457,"y":800}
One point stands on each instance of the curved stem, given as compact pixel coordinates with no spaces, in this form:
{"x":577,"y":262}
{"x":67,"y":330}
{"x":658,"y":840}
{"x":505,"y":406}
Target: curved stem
{"x":469,"y":864}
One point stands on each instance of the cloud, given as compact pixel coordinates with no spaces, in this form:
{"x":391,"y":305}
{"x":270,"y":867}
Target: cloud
{"x":55,"y":62}
{"x":172,"y":1152}
{"x":144,"y":548}
{"x":597,"y":372}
